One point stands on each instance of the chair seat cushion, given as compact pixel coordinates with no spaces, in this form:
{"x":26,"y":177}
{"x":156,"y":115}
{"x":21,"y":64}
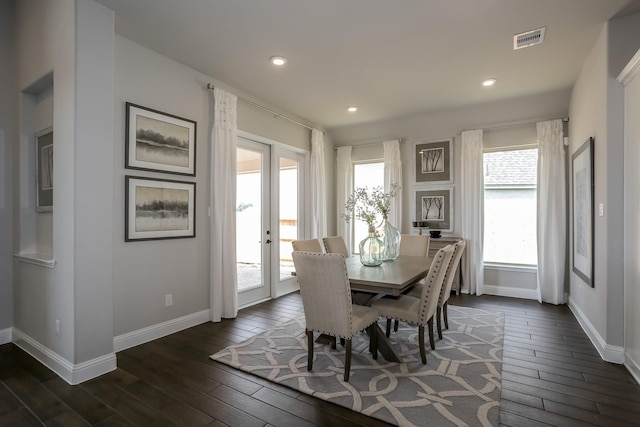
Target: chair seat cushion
{"x":362,"y":317}
{"x":403,"y":308}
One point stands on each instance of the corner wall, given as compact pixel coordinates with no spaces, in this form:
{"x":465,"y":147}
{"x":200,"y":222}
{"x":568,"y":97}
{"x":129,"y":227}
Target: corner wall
{"x":7,"y":139}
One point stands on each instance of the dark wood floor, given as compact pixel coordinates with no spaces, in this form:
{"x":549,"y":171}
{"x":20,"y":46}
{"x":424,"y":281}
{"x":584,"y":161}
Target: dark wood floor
{"x":552,"y":375}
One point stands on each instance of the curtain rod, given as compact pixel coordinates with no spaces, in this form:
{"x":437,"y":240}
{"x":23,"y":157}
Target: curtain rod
{"x":368,"y":144}
{"x":564,"y":119}
{"x":275,"y":113}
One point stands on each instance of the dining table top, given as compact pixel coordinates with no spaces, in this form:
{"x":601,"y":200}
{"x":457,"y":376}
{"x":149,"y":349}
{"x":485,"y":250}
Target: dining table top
{"x":390,"y":278}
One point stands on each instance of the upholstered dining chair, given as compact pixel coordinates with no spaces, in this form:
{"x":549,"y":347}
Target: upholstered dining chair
{"x":445,"y":292}
{"x":326,"y":299}
{"x":335,"y":245}
{"x":419,"y":311}
{"x":414,"y":245}
{"x":310,"y":245}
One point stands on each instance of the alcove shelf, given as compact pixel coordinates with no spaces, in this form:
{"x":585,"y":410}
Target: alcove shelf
{"x":36,"y":259}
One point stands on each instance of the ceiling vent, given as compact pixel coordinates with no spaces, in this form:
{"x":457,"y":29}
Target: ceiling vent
{"x":530,"y":38}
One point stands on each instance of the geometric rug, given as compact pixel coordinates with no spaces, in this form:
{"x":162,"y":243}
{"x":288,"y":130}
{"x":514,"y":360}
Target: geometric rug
{"x":459,"y":386}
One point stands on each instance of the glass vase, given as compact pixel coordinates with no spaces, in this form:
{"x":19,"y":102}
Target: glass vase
{"x":371,"y":249}
{"x":391,"y":239}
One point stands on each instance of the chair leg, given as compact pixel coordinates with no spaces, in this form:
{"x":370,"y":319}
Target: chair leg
{"x":333,"y":343}
{"x":395,"y":326}
{"x":373,"y":341}
{"x":309,"y":350}
{"x":446,"y":317}
{"x":388,"y":327}
{"x":423,"y":353}
{"x":342,"y":342}
{"x":347,"y":361}
{"x":439,"y":321}
{"x":431,"y":340}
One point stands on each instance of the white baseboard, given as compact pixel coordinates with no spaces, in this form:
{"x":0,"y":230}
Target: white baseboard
{"x":609,"y":353}
{"x":633,"y":367}
{"x":70,"y":372}
{"x":5,"y":335}
{"x":505,"y":291}
{"x":150,"y":333}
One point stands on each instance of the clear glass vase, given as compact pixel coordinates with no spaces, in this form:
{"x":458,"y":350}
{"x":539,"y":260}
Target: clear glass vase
{"x":391,"y":239}
{"x":371,"y":249}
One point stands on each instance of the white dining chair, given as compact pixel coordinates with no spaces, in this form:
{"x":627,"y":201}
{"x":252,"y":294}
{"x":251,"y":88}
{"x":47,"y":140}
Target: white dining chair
{"x":310,"y":245}
{"x":419,"y":311}
{"x":335,"y":245}
{"x":414,"y":245}
{"x":326,"y":299}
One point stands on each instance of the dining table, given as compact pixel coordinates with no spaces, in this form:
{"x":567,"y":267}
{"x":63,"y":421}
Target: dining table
{"x":390,"y":279}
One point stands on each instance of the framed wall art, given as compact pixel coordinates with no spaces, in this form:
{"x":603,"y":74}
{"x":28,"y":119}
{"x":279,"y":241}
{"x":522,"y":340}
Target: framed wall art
{"x":159,"y":209}
{"x":44,"y":168}
{"x":433,"y":161}
{"x":433,"y":209}
{"x":582,"y":202}
{"x":158,"y":141}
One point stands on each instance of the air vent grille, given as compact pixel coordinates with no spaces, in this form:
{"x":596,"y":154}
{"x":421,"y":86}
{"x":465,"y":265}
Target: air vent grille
{"x":530,"y":38}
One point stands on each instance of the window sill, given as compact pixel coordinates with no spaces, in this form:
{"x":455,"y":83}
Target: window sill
{"x":511,"y":267}
{"x":36,"y":259}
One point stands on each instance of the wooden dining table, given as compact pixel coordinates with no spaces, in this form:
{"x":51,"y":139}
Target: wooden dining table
{"x":391,"y":278}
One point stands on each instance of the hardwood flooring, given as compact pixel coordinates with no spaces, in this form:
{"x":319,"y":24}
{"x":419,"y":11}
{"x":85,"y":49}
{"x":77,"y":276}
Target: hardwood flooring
{"x":552,"y":375}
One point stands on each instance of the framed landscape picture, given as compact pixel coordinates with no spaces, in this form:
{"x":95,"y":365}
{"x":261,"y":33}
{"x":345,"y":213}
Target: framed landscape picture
{"x":582,"y":203}
{"x":44,"y":168}
{"x":433,"y":209}
{"x":159,"y":209}
{"x":158,"y":141}
{"x":433,"y":161}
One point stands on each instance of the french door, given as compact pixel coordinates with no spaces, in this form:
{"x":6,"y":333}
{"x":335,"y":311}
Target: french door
{"x":268,"y":213}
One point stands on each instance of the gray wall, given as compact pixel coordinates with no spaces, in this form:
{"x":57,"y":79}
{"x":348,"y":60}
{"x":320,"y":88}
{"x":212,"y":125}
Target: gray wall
{"x":7,"y":136}
{"x":597,"y":106}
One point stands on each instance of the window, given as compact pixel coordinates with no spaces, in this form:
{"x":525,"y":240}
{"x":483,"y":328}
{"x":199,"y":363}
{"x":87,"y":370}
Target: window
{"x":510,"y":178}
{"x":368,"y":175}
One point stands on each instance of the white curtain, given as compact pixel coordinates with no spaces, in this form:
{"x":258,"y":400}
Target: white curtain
{"x":393,"y":175}
{"x":472,"y":206}
{"x":344,"y":188}
{"x":223,"y":279}
{"x":316,"y":183}
{"x":552,"y":222}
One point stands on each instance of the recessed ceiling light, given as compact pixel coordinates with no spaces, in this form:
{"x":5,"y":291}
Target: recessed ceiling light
{"x":488,"y":82}
{"x":278,"y":60}
{"x":352,"y":109}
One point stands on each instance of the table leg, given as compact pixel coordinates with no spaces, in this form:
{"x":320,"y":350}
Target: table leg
{"x":384,"y":346}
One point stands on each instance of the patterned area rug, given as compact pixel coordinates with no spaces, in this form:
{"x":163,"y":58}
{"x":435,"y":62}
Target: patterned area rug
{"x":459,"y":386}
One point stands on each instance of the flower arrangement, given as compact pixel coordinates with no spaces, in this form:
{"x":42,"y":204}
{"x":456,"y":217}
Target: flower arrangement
{"x":367,"y":206}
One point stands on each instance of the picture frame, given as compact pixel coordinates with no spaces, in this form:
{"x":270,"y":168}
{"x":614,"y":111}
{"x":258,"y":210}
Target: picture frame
{"x":157,"y":141}
{"x":44,"y":170}
{"x":159,"y":209}
{"x":433,"y":208}
{"x":433,"y":161}
{"x":582,"y":185}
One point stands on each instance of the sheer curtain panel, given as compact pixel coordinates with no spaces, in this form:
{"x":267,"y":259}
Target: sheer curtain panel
{"x":472,"y":189}
{"x":317,"y":190}
{"x":223,"y":279}
{"x":393,"y":174}
{"x":344,"y":188}
{"x":552,"y":215}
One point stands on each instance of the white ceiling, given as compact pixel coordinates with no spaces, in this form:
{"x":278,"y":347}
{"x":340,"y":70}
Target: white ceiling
{"x":392,"y":58}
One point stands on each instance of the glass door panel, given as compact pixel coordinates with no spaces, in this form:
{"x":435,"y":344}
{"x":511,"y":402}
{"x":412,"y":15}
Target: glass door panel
{"x":288,"y":214}
{"x":253,"y":221}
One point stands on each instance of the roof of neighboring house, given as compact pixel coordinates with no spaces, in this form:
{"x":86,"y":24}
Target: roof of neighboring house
{"x":510,"y":168}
